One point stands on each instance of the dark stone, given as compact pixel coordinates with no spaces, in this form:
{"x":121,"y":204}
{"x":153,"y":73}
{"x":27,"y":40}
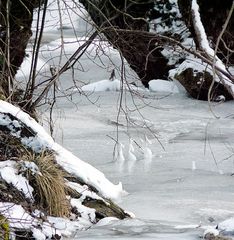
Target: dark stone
{"x":197,"y":85}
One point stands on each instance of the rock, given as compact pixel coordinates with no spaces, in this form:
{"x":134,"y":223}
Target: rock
{"x":197,"y":78}
{"x":211,"y":236}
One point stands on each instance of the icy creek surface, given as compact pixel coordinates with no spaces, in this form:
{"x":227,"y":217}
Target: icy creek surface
{"x":178,"y":168}
{"x":185,"y":186}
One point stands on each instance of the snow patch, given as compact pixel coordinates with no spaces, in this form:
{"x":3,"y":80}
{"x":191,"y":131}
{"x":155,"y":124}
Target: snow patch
{"x":86,"y":212}
{"x":211,"y":231}
{"x":16,"y":215}
{"x":227,"y":225}
{"x":84,"y":190}
{"x":8,"y":171}
{"x":102,"y":86}
{"x":163,"y":86}
{"x":108,"y":85}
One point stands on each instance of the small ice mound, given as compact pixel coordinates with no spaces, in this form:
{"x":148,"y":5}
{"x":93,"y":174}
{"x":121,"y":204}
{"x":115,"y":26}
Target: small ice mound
{"x":194,"y":166}
{"x":147,"y":140}
{"x":119,"y":156}
{"x":148,"y":154}
{"x":131,"y":162}
{"x":147,"y":159}
{"x":163,"y":86}
{"x":107,"y":220}
{"x":146,"y":150}
{"x":131,"y":156}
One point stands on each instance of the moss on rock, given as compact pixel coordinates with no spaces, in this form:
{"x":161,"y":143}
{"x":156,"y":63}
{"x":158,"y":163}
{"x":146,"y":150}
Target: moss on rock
{"x":4,"y":228}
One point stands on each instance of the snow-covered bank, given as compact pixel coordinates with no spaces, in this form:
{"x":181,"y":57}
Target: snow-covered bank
{"x":66,"y":159}
{"x":28,"y":140}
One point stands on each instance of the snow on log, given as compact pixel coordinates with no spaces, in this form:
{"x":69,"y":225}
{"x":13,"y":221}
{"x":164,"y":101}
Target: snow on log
{"x":209,"y":52}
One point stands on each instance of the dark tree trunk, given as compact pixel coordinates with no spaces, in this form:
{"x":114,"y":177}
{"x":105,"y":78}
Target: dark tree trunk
{"x":14,"y":36}
{"x":213,"y":15}
{"x":143,"y":56}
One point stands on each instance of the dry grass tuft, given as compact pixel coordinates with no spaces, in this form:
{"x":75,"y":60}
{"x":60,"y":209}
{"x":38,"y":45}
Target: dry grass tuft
{"x":49,"y":184}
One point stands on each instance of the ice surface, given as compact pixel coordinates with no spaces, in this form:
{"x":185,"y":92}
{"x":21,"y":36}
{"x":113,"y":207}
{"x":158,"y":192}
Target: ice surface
{"x":168,"y":191}
{"x":71,"y":19}
{"x":170,"y":199}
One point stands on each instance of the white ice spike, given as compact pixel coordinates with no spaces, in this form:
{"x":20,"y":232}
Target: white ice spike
{"x":131,"y":156}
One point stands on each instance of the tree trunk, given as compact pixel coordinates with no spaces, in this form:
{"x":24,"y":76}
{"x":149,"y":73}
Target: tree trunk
{"x":142,"y":54}
{"x":15,"y":31}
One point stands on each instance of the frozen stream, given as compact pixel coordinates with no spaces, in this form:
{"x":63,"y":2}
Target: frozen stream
{"x":187,"y":185}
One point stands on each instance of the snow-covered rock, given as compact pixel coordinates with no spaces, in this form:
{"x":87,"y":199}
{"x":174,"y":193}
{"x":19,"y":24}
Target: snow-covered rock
{"x":197,"y":77}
